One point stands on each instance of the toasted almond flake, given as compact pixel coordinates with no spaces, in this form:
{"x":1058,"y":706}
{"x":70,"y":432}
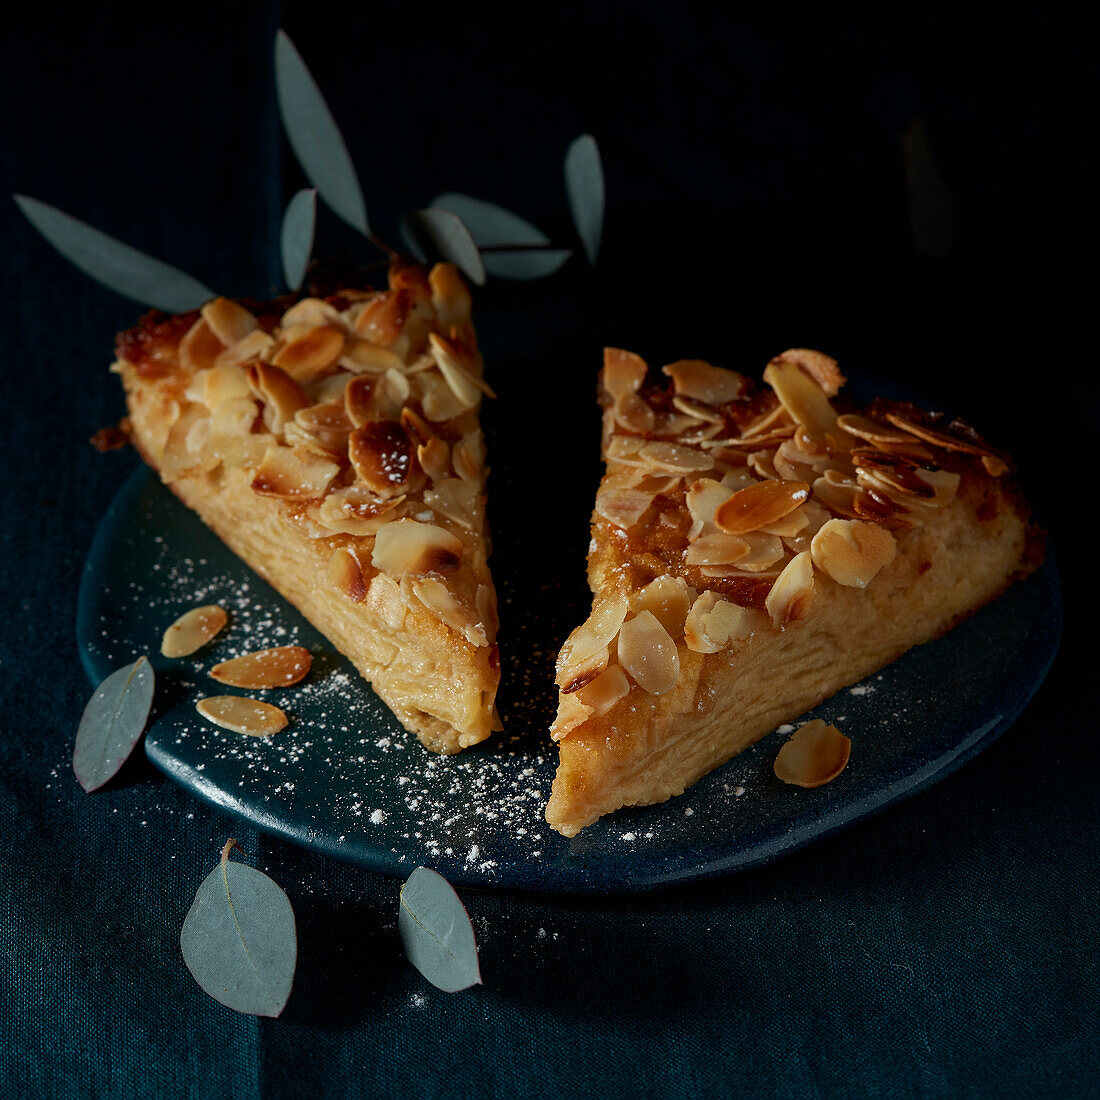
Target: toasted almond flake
{"x":280,"y":666}
{"x":461,"y":376}
{"x":815,"y":754}
{"x":792,"y":592}
{"x":437,"y":399}
{"x":669,"y":599}
{"x":256,"y":345}
{"x":585,"y":650}
{"x":820,"y":367}
{"x":622,"y":507}
{"x":759,"y":505}
{"x":294,"y":473}
{"x":406,"y":547}
{"x":355,"y":510}
{"x":361,"y":357}
{"x":329,"y":424}
{"x":468,"y":456}
{"x":381,"y":320}
{"x":418,"y":428}
{"x":231,"y":437}
{"x":697,"y":411}
{"x":944,"y":483}
{"x":281,"y":395}
{"x":700,"y":381}
{"x":790,"y":525}
{"x":486,"y":604}
{"x":775,"y":422}
{"x":223,"y":383}
{"x":648,"y":654}
{"x":438,"y":598}
{"x":992,"y":462}
{"x":192,"y":630}
{"x":762,"y":464}
{"x":837,"y":494}
{"x":434,"y":458}
{"x":311,"y":313}
{"x":346,"y":573}
{"x":713,"y":623}
{"x":675,"y":458}
{"x":801,"y":395}
{"x":450,"y":295}
{"x":229,"y":321}
{"x":634,"y":413}
{"x":716,"y":549}
{"x":457,"y":499}
{"x":359,"y":400}
{"x":382,"y":454}
{"x":308,"y":352}
{"x":704,"y":497}
{"x":386,"y":600}
{"x":241,"y":715}
{"x":199,"y":347}
{"x":623,"y":372}
{"x":602,"y":693}
{"x":853,"y":551}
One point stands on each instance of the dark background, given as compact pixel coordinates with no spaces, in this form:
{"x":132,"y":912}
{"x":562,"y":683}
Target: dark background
{"x":761,"y":194}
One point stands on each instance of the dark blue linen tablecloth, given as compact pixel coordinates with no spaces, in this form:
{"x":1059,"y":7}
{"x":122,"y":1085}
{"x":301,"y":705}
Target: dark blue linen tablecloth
{"x":757,"y":199}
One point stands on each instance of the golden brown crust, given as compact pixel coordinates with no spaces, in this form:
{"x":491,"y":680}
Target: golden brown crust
{"x":348,"y":471}
{"x":753,"y":556}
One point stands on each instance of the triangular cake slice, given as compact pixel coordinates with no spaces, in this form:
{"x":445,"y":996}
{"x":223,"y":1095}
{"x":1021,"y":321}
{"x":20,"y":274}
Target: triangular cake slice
{"x":753,"y":552}
{"x":333,"y":443}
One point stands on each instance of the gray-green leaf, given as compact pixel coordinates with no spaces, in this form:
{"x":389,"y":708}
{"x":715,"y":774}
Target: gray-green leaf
{"x":315,"y":137}
{"x":296,"y":238}
{"x":239,"y":939}
{"x":117,"y":266}
{"x":493,"y":226}
{"x":112,"y":723}
{"x":585,"y":190}
{"x":435,"y":233}
{"x":436,"y":932}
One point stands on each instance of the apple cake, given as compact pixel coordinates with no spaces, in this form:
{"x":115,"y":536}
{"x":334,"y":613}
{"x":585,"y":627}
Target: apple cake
{"x":754,"y":550}
{"x":333,"y":443}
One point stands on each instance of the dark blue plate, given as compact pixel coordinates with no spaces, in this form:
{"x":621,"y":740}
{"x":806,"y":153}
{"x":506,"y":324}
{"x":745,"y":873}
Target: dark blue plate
{"x":345,"y":779}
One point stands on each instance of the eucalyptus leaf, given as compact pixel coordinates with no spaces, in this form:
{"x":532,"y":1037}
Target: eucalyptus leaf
{"x":296,"y":238}
{"x":239,"y":939}
{"x":112,"y":723}
{"x":584,"y":189}
{"x":435,"y":233}
{"x":315,"y":137}
{"x":493,"y":226}
{"x":117,"y":266}
{"x":436,"y":932}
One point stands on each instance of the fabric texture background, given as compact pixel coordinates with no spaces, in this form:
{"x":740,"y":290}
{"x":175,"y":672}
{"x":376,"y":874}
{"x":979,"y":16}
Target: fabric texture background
{"x":757,"y":200}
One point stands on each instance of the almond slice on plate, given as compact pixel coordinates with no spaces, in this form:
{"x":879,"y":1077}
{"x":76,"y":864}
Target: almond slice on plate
{"x":192,"y":630}
{"x":265,"y":668}
{"x":815,"y":754}
{"x":235,"y":712}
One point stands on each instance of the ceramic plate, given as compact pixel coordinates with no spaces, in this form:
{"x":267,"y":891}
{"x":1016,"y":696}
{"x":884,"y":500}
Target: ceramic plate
{"x":345,"y":779}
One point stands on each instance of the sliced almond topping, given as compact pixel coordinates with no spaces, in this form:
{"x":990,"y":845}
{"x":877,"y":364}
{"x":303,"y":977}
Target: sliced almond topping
{"x":434,"y":458}
{"x":384,"y":316}
{"x":468,"y":456}
{"x":231,"y":437}
{"x":792,"y":592}
{"x":584,"y":653}
{"x":228,"y":321}
{"x":815,"y":754}
{"x":256,"y":345}
{"x":241,"y":715}
{"x":622,"y":507}
{"x":716,"y":549}
{"x":698,"y":411}
{"x":450,"y":295}
{"x":328,"y":423}
{"x":837,"y":494}
{"x":648,"y":654}
{"x":382,"y":454}
{"x":944,"y":484}
{"x":437,"y":597}
{"x":602,"y":693}
{"x":762,"y":464}
{"x":406,"y":547}
{"x":801,"y":395}
{"x":759,"y":505}
{"x":223,"y":383}
{"x":308,"y":352}
{"x":265,"y":668}
{"x":355,"y":510}
{"x":346,"y":573}
{"x":993,"y":464}
{"x":669,"y":599}
{"x":359,"y":357}
{"x":634,"y":413}
{"x":712,"y":624}
{"x":790,"y":525}
{"x":675,"y":458}
{"x":199,"y":347}
{"x":311,"y":313}
{"x":623,"y":372}
{"x":294,"y":472}
{"x":820,"y":367}
{"x":359,"y":400}
{"x":461,"y":376}
{"x":386,"y":600}
{"x":703,"y":382}
{"x":281,"y":395}
{"x":457,"y":499}
{"x":192,"y":630}
{"x":437,"y":399}
{"x":852,"y":551}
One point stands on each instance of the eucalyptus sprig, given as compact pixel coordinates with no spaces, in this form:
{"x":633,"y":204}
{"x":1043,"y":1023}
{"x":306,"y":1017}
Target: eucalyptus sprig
{"x":477,"y":236}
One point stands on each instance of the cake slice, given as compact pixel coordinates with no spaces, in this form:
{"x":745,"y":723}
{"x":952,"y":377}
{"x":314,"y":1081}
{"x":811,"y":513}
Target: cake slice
{"x":754,"y":551}
{"x":332,"y":442}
